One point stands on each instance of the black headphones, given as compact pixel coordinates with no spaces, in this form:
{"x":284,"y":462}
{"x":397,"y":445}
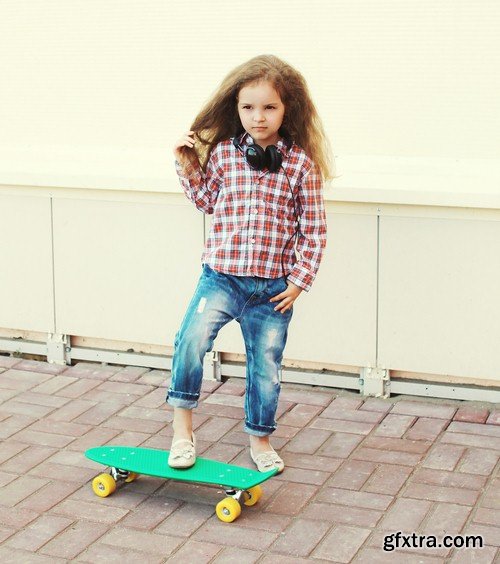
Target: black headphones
{"x":259,"y":159}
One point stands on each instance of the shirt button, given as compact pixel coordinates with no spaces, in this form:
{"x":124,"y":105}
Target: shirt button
{"x":254,"y":211}
{"x":252,"y":241}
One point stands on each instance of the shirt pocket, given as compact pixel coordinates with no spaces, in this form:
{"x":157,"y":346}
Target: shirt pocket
{"x":280,"y":211}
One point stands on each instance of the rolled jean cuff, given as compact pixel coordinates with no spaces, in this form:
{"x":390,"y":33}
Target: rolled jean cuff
{"x":182,"y":399}
{"x":258,"y":430}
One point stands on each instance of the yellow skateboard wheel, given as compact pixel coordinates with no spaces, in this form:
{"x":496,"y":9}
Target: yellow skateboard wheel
{"x":131,"y":477}
{"x":252,"y":496}
{"x":228,"y":510}
{"x":103,"y":485}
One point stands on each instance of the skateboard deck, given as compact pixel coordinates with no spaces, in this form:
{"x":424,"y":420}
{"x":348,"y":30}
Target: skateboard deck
{"x":127,"y":462}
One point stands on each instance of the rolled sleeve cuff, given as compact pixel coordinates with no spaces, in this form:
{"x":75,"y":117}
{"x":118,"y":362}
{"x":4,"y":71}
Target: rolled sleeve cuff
{"x":301,"y":277}
{"x":189,"y":174}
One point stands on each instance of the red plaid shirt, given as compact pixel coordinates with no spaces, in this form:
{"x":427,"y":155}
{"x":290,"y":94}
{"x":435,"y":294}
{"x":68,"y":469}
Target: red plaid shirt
{"x":254,"y":213}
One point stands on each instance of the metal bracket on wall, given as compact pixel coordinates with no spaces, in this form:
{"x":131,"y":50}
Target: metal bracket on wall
{"x":211,"y":366}
{"x":58,"y":349}
{"x":374,"y":382}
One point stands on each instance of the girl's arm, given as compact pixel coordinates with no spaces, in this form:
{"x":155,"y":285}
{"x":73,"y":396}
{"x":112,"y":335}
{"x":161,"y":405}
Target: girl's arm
{"x":312,"y":234}
{"x":201,"y":188}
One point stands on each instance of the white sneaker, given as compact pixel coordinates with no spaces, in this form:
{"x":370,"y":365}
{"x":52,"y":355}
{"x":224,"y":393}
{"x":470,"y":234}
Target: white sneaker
{"x":183,"y":453}
{"x":268,"y":460}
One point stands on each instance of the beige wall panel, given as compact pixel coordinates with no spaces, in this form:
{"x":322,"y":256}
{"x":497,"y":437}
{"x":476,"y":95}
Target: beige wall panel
{"x":439,"y":308}
{"x":26,"y":289}
{"x":335,"y":322}
{"x":125,"y":270}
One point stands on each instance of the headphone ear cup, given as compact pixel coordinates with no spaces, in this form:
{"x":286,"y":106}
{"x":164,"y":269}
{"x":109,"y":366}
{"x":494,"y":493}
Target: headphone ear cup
{"x":255,"y":156}
{"x":273,"y":158}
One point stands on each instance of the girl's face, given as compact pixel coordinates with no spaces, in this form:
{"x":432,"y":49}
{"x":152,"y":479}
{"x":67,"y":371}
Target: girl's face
{"x":261,"y":112}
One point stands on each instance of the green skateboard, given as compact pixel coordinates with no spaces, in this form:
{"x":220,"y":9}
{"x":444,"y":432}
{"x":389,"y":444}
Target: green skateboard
{"x":126,"y":463}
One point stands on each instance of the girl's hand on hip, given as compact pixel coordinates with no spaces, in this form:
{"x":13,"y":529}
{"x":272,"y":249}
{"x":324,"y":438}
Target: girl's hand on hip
{"x":287,"y":297}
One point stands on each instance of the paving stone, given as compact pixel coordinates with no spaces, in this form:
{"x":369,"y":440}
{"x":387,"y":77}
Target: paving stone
{"x":7,"y":478}
{"x":451,"y":479}
{"x":437,"y":410}
{"x":352,"y":475}
{"x":311,"y":462}
{"x":347,"y":402}
{"x":387,"y":457}
{"x":15,"y":517}
{"x":45,"y":439}
{"x":302,"y":476}
{"x":291,"y":498}
{"x":15,"y":407}
{"x":460,"y":496}
{"x":491,"y":535}
{"x":52,"y":494}
{"x":41,"y":367}
{"x":487,"y":516}
{"x":233,"y":555}
{"x":232,"y":388}
{"x":54,"y":384}
{"x":377,"y":404}
{"x":426,"y":429}
{"x":334,"y":411}
{"x":18,"y":489}
{"x":61,"y":428}
{"x":494,"y":418}
{"x":336,"y":513}
{"x":91,"y":511}
{"x":342,"y":543}
{"x":372,"y":555}
{"x":354,"y":498}
{"x":388,"y":479}
{"x":399,"y":445}
{"x":110,"y":398}
{"x":21,"y":379}
{"x":300,"y":538}
{"x":308,"y":441}
{"x":10,"y":448}
{"x":9,"y":361}
{"x":479,"y":461}
{"x":74,"y":540}
{"x":471,"y":414}
{"x":184,"y":521}
{"x":99,"y":413}
{"x":382,"y":538}
{"x":39,"y":532}
{"x":147,"y":426}
{"x":13,"y":556}
{"x":216,"y":532}
{"x":215,"y":428}
{"x":300,"y":415}
{"x":484,"y":555}
{"x":405,"y":514}
{"x":394,"y":425}
{"x":305,"y":396}
{"x":14,"y":424}
{"x":193,"y":551}
{"x":130,"y":374}
{"x":471,"y":440}
{"x":154,"y":399}
{"x":474,"y":428}
{"x":79,"y":388}
{"x":71,"y":410}
{"x":96,"y":437}
{"x":340,"y":425}
{"x":30,"y":397}
{"x":99,"y":552}
{"x":92,"y":370}
{"x":340,"y":445}
{"x":446,"y":519}
{"x":444,"y":457}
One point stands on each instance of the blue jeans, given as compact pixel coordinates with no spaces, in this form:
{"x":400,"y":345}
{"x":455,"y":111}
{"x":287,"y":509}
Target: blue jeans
{"x":218,"y":299}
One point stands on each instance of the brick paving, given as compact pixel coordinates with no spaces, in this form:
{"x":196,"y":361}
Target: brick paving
{"x":356,"y":470}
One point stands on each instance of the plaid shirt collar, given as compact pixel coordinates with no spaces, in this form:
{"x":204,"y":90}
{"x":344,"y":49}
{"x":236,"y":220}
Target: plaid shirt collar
{"x":247,"y":139}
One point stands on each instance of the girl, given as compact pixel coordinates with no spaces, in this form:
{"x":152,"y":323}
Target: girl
{"x":264,"y":156}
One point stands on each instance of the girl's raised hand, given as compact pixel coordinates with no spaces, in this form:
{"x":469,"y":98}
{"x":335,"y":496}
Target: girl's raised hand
{"x":187,"y":140}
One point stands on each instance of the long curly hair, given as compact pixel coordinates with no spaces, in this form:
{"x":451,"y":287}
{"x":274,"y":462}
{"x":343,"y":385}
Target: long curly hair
{"x":219,"y":119}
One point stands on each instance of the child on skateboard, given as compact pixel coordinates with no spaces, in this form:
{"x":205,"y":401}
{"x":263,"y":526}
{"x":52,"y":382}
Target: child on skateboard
{"x":256,"y":158}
